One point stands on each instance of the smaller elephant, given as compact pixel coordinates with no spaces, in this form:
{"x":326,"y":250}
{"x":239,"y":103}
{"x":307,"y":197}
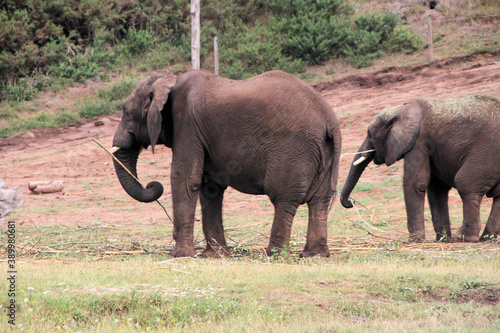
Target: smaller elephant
{"x":444,"y":144}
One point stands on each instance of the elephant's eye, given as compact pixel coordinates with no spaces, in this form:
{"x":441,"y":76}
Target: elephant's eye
{"x":369,"y":134}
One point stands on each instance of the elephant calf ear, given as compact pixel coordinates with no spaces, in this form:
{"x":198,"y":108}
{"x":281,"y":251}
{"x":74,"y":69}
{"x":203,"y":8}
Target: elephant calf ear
{"x":404,"y":131}
{"x":161,"y":89}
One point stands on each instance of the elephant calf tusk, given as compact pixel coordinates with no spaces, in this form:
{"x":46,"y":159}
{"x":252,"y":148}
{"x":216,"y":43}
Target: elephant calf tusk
{"x":115,"y":149}
{"x":360,"y":160}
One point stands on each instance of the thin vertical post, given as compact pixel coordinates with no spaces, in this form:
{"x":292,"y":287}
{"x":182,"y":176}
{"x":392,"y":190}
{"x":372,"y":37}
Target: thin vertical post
{"x":195,"y":34}
{"x":216,"y":55}
{"x":429,"y":36}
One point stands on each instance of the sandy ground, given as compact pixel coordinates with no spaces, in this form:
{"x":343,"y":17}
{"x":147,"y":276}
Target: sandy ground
{"x":92,"y":193}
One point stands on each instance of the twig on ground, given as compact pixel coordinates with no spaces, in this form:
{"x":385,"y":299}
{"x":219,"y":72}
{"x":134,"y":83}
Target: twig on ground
{"x":33,"y":223}
{"x":355,"y":202}
{"x":357,"y":211}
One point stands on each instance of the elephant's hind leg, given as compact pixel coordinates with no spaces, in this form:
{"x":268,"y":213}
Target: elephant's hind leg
{"x":284,"y":213}
{"x":472,"y":195}
{"x":437,"y":193}
{"x":471,"y":226}
{"x":317,"y":243}
{"x":211,"y":196}
{"x":492,"y":228}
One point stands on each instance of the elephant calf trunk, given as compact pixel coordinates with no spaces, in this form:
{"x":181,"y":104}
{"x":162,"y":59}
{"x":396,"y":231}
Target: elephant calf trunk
{"x":361,"y":160}
{"x":345,"y":201}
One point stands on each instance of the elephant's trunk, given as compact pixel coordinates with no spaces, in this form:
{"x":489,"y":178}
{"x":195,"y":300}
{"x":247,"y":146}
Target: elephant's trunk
{"x":358,"y":166}
{"x":128,"y":157}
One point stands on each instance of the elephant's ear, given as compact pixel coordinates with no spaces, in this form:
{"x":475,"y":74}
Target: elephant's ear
{"x":404,"y":131}
{"x":160,"y":90}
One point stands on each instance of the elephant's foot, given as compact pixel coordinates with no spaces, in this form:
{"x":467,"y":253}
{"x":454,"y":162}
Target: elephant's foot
{"x":487,"y":237}
{"x":489,"y":234}
{"x":460,"y":238}
{"x":444,"y":238}
{"x":321,"y":250}
{"x":273,"y":251}
{"x":183,"y":251}
{"x":217,"y":252}
{"x":417,"y":237}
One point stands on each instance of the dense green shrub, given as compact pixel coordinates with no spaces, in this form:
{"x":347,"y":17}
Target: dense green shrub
{"x":256,"y":52}
{"x":382,"y":24}
{"x":118,"y":91}
{"x":313,"y":29}
{"x":109,"y":100}
{"x":362,"y":47}
{"x":404,"y":40}
{"x":322,"y":29}
{"x":49,"y":44}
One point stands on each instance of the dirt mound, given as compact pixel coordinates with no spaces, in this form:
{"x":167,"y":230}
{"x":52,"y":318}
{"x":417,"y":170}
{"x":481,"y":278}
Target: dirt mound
{"x":400,"y":75}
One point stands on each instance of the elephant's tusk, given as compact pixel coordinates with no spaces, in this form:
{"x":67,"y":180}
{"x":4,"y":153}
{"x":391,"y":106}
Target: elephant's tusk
{"x":360,"y":160}
{"x":114,"y":149}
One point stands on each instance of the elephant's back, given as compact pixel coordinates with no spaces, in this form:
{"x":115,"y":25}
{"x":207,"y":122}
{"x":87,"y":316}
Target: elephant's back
{"x":273,"y":102}
{"x":474,"y":107}
{"x":281,"y":95}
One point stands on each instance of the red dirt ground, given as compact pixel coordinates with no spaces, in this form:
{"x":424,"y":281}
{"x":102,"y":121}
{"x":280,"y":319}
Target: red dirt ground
{"x":93,"y":195}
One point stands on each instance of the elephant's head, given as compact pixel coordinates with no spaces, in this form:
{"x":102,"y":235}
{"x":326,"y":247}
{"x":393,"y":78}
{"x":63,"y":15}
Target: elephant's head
{"x":142,"y":125}
{"x":390,"y":136}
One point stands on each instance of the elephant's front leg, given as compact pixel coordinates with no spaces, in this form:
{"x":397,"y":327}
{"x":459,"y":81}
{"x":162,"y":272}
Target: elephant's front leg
{"x":211,"y":197}
{"x":437,"y":192}
{"x":284,"y":213}
{"x":186,"y":182}
{"x":415,"y":181}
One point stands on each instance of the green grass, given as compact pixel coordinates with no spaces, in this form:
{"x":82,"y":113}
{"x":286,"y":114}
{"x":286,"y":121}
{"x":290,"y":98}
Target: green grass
{"x":19,"y":117}
{"x":69,"y":279}
{"x":379,"y":291}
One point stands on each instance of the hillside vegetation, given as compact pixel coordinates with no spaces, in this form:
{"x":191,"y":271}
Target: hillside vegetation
{"x":50,"y":45}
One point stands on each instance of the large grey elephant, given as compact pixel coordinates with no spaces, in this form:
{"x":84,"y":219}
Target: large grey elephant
{"x":445,"y":144}
{"x":271,"y":134}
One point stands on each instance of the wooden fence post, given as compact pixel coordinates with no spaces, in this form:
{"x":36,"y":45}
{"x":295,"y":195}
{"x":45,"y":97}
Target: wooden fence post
{"x":195,"y":34}
{"x":216,"y":55}
{"x":429,"y":36}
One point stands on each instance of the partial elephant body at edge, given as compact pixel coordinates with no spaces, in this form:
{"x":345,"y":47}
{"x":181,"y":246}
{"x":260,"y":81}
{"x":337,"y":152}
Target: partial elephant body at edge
{"x":271,"y":134}
{"x":445,"y":144}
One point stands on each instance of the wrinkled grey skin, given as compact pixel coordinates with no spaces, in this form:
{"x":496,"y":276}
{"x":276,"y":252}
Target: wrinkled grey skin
{"x":271,"y":134}
{"x":444,"y":144}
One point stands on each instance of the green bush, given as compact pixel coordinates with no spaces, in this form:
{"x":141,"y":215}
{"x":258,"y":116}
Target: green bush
{"x":404,"y":40}
{"x":109,"y":100}
{"x":362,"y":47}
{"x":92,"y":108}
{"x":323,"y":29}
{"x":137,"y":41}
{"x":55,"y":43}
{"x":382,"y":24}
{"x":314,"y":29}
{"x":22,"y":89}
{"x":314,"y":41}
{"x":255,"y":53}
{"x":118,"y":91}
